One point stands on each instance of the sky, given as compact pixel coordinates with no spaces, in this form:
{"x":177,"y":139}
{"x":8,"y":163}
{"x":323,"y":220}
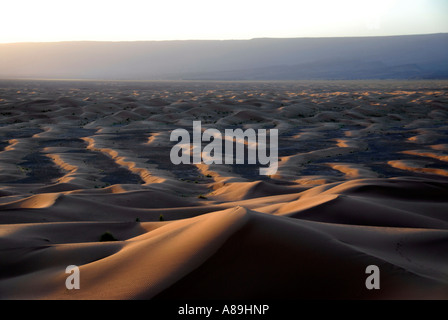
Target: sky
{"x":131,"y":20}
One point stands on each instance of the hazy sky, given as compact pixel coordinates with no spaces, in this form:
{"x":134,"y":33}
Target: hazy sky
{"x":66,"y":20}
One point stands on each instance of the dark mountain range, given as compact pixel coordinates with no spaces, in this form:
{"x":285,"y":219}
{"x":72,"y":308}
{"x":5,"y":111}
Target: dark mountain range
{"x":394,"y":57}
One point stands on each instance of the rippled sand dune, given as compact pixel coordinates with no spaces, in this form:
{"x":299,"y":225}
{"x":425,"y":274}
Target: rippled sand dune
{"x":362,"y":180}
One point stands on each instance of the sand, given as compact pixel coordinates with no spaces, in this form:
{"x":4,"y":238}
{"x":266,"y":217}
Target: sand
{"x":362,"y":180}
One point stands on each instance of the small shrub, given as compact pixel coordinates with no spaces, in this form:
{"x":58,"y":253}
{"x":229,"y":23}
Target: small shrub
{"x":107,"y":236}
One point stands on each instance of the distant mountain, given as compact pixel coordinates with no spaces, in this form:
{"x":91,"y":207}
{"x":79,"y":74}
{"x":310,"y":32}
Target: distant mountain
{"x":331,"y":70}
{"x":394,"y":57}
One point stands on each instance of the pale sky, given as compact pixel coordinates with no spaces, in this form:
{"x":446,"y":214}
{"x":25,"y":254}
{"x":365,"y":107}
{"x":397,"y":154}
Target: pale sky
{"x":129,"y":20}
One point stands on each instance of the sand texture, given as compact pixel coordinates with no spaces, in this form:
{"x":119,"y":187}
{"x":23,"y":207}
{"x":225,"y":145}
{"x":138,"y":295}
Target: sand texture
{"x":362,"y":180}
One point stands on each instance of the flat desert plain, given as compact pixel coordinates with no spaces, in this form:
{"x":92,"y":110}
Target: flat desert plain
{"x":362,"y":180}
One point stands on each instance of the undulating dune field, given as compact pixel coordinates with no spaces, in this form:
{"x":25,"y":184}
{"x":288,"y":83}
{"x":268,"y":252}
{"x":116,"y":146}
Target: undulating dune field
{"x":362,"y":180}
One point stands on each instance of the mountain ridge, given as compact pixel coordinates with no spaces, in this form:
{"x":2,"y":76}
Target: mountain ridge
{"x":387,"y":57}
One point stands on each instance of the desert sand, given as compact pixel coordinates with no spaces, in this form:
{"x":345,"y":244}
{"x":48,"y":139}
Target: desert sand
{"x":362,"y":180}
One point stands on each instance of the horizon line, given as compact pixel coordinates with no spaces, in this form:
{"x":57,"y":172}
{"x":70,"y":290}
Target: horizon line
{"x":223,"y":40}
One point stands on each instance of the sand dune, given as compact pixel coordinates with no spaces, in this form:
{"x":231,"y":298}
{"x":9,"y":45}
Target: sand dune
{"x":362,"y":180}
